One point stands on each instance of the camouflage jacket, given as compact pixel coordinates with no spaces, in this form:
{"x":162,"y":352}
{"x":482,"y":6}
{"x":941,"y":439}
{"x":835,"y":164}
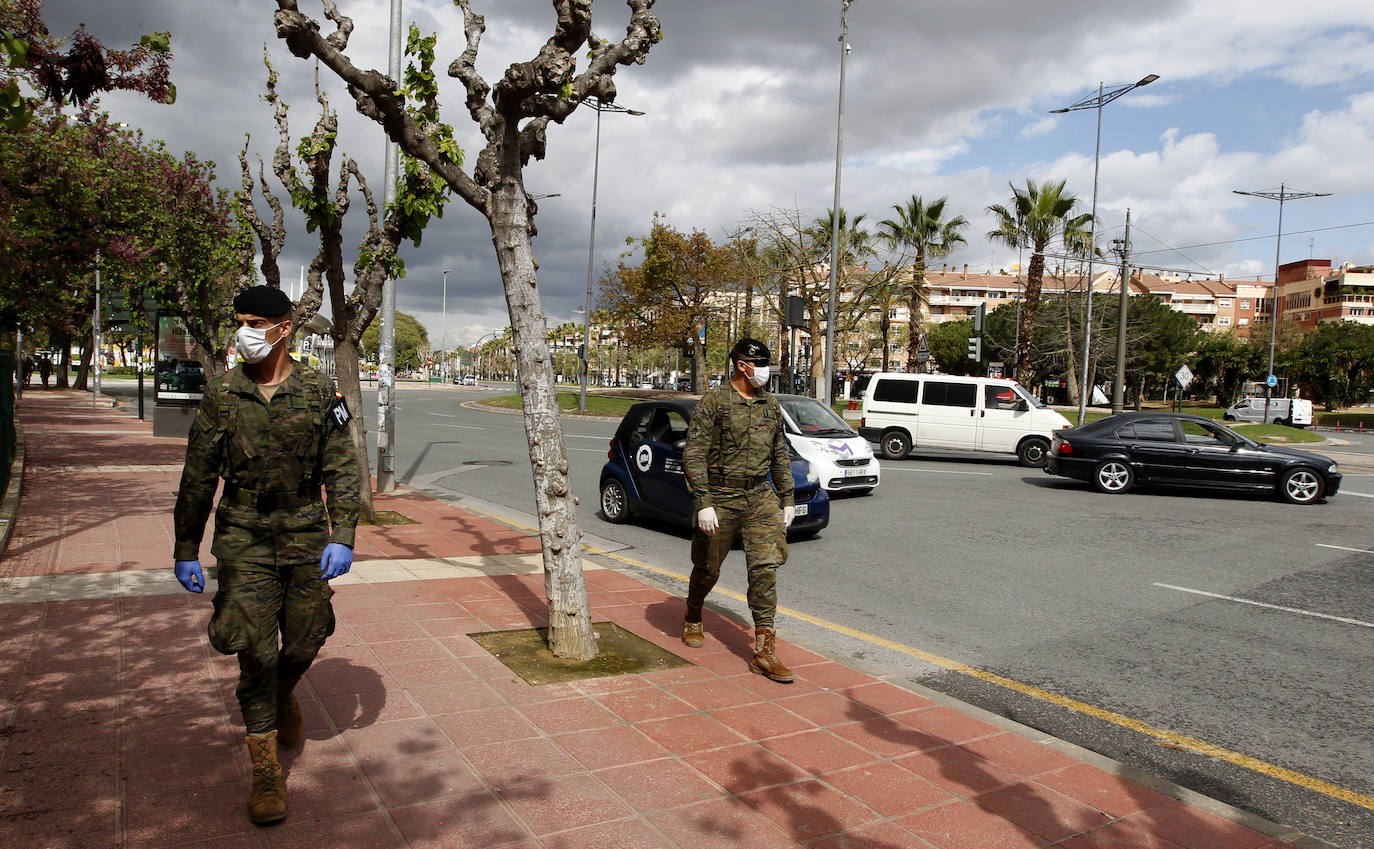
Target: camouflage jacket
{"x":733,"y":441}
{"x":277,"y":454}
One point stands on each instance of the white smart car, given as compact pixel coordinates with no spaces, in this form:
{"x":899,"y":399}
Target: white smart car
{"x":842,"y":459}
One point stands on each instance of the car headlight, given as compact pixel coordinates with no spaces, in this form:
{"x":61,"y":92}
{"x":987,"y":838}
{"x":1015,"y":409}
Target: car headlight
{"x":811,"y":476}
{"x":1331,"y":470}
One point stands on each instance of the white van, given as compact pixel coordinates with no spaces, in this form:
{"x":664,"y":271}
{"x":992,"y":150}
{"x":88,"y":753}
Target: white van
{"x":842,"y":459}
{"x":905,"y":411}
{"x":1294,"y":412}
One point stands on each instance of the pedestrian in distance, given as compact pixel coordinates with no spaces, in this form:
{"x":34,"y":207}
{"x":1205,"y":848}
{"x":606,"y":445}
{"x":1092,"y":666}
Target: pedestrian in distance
{"x":44,"y":370}
{"x":28,"y":370}
{"x":734,"y":442}
{"x":275,"y":430}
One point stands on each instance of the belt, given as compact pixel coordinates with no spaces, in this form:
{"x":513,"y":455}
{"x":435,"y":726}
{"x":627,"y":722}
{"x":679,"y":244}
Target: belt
{"x":266,"y":502}
{"x":747,"y":482}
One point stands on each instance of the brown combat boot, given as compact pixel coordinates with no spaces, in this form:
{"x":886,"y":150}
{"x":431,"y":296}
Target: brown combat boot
{"x":290,"y":726}
{"x":694,"y":634}
{"x":765,"y":662}
{"x":267,"y":799}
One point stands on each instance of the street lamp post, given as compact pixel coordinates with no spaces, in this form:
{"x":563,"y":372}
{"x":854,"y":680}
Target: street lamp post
{"x":443,"y":342}
{"x":1097,"y":101}
{"x":386,"y":343}
{"x":1281,"y":195}
{"x":1119,"y":385}
{"x":829,"y":378}
{"x":600,"y":107}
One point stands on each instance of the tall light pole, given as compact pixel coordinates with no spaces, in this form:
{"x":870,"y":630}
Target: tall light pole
{"x":1281,"y":195}
{"x":600,"y":107}
{"x":1096,"y":101}
{"x":829,"y":378}
{"x":386,"y":355}
{"x":443,"y":332}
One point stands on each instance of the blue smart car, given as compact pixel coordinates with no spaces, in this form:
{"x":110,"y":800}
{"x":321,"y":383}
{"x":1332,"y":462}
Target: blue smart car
{"x":643,"y":474}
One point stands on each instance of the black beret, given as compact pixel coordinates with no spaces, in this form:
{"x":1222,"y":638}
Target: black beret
{"x":265,"y":301}
{"x":750,"y":351}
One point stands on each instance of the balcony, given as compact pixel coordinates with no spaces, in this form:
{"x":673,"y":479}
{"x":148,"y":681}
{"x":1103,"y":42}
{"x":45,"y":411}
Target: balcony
{"x":954,"y":301}
{"x":1193,"y":308}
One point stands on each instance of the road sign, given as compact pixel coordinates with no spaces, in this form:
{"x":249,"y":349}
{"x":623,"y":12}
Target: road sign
{"x":1184,"y":376}
{"x":1271,"y":381}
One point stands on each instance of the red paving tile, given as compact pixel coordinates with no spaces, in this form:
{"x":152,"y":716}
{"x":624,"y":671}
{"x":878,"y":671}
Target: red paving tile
{"x":370,"y":830}
{"x":447,"y":699}
{"x":761,"y":721}
{"x":1194,"y":828}
{"x":818,"y":751}
{"x":1113,"y":795}
{"x":962,"y":825}
{"x":478,"y":821}
{"x":65,"y":828}
{"x":622,"y":834}
{"x":887,"y":788}
{"x":958,"y":771}
{"x":723,"y":824}
{"x":614,"y":746}
{"x":712,"y":693}
{"x":410,"y":780}
{"x":485,"y":726}
{"x":740,"y":769}
{"x":1041,"y":811}
{"x":655,"y":785}
{"x":947,"y":724}
{"x":641,"y":705}
{"x":182,"y":816}
{"x":349,"y":711}
{"x":557,"y":804}
{"x":887,"y":737}
{"x":1016,"y":753}
{"x":1118,"y":835}
{"x":883,"y":835}
{"x":827,"y":708}
{"x":405,"y":737}
{"x":47,"y":788}
{"x":833,"y":676}
{"x":328,"y":793}
{"x":568,"y":715}
{"x":521,"y":761}
{"x":695,"y":732}
{"x":809,"y":809}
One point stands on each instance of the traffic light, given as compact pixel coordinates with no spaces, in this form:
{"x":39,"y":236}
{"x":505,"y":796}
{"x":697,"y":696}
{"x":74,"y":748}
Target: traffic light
{"x":975,"y":348}
{"x":980,"y":316}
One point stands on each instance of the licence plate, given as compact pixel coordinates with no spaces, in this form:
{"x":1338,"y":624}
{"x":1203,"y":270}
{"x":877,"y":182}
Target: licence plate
{"x":801,"y":510}
{"x":855,"y":472}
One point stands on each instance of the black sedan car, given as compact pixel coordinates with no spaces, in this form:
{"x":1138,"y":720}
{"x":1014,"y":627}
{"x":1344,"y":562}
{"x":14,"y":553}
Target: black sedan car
{"x":1121,"y":451}
{"x":643,"y":475}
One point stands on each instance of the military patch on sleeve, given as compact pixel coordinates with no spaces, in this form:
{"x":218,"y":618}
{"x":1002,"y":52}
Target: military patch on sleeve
{"x":339,"y":410}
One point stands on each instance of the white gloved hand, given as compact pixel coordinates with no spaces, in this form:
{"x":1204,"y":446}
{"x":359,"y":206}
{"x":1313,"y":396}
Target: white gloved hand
{"x":788,"y":514}
{"x":707,"y":521}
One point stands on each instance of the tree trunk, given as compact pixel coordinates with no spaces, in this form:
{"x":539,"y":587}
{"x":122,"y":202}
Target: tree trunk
{"x":1072,"y":373}
{"x":570,"y":624}
{"x":700,"y":381}
{"x":83,"y":369}
{"x":1029,"y":307}
{"x":350,"y":385}
{"x":885,"y":330}
{"x":913,"y":311}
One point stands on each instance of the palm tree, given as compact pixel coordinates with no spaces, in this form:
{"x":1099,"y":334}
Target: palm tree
{"x":1038,"y":216}
{"x":923,"y":230}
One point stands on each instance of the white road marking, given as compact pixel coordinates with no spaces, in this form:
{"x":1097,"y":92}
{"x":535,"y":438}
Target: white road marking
{"x":585,"y":436}
{"x":1359,"y":494}
{"x":934,"y":471}
{"x":597,"y":450}
{"x":464,"y":427}
{"x":1343,"y":619}
{"x":1343,"y":548}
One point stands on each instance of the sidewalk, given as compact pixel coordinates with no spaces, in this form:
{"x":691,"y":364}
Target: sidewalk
{"x":119,"y":727}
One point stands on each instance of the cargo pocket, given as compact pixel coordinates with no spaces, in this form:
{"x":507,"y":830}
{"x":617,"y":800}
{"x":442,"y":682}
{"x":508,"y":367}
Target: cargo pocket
{"x":229,"y":627}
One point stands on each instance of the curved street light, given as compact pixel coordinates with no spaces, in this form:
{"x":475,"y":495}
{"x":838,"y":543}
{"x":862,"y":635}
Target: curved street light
{"x":1283,"y":194}
{"x":599,"y":106}
{"x":1096,"y":101}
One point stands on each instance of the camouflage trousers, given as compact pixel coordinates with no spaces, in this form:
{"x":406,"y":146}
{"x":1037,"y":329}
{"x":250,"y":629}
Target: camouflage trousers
{"x":275,"y":618}
{"x":756,"y":521}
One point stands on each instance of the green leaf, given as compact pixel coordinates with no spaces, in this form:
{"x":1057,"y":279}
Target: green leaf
{"x":18,"y":49}
{"x":158,"y":42}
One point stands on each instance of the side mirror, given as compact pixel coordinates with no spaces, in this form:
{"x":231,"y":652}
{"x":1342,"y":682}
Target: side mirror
{"x":1022,"y":406}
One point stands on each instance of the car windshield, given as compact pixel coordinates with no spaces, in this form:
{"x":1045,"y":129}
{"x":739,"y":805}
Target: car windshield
{"x":813,"y":418}
{"x":1026,"y":393}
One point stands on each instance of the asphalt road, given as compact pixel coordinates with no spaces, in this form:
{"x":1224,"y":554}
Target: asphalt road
{"x":1041,"y":580}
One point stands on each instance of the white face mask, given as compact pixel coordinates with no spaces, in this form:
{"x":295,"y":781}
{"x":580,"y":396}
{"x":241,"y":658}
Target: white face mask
{"x":252,"y":343}
{"x":759,"y":377}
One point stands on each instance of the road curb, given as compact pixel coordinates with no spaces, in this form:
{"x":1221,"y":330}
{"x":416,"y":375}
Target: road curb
{"x":9,"y":506}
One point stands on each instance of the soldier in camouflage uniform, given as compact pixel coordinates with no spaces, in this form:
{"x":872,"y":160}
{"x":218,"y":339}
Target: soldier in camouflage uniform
{"x":274,"y":429}
{"x":734,"y":441}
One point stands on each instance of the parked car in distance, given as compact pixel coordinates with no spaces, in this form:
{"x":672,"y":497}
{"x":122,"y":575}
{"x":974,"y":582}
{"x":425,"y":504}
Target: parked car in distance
{"x":992,"y":414}
{"x":643,"y":475}
{"x":1294,"y":412}
{"x":843,"y":459}
{"x":1119,"y":452}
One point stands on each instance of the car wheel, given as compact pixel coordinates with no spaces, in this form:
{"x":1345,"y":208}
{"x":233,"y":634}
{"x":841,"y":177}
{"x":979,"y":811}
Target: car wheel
{"x":615,"y":502}
{"x":1032,"y":452}
{"x":896,"y":445}
{"x":1113,"y":477}
{"x":1300,"y":486}
{"x":1227,"y":418}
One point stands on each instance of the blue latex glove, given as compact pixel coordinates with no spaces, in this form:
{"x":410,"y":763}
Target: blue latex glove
{"x":188,"y":572}
{"x":336,"y":560}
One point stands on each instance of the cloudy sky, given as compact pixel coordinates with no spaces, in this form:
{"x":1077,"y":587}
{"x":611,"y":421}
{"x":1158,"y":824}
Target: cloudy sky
{"x":941,"y":99}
